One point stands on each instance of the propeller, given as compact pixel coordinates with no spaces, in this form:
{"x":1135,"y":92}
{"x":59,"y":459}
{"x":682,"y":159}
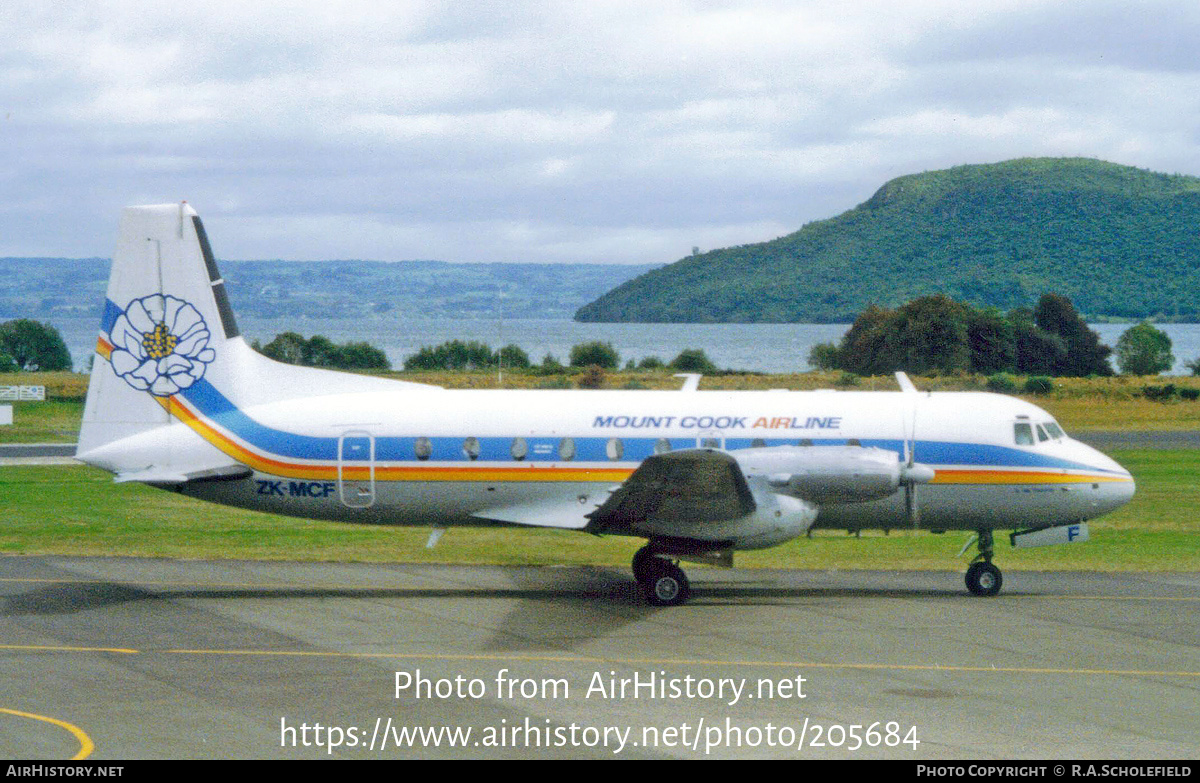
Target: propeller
{"x":912,"y":473}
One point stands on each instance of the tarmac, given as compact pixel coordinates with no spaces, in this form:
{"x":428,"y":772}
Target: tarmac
{"x":124,"y":658}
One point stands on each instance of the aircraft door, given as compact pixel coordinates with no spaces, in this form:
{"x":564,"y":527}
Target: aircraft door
{"x":356,"y":469}
{"x":710,"y":439}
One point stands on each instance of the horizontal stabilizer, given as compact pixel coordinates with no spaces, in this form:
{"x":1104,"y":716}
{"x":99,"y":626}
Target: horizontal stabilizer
{"x":170,"y":475}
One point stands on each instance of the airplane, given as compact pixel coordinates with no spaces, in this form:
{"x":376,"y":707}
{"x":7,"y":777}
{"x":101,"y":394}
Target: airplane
{"x":178,"y":400}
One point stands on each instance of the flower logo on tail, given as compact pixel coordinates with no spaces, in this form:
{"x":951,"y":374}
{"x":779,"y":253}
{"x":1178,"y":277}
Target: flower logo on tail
{"x":160,"y":345}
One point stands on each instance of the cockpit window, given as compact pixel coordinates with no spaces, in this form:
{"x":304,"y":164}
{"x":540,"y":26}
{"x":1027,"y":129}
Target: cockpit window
{"x":1023,"y":434}
{"x":1055,"y":431}
{"x":1042,"y":436}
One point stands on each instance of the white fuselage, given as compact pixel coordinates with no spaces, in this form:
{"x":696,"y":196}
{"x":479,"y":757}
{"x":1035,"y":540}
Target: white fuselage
{"x":444,"y":457}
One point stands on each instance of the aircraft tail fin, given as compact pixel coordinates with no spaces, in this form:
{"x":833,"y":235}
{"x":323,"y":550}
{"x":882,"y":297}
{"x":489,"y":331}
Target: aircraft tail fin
{"x":166,"y":319}
{"x":169,"y":349}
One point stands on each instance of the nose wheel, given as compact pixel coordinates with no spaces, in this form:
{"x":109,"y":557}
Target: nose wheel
{"x":984,"y":578}
{"x":662,"y":582}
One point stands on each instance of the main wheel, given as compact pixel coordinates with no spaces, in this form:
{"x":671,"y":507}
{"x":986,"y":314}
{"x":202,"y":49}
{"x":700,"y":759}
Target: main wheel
{"x":666,"y":584}
{"x":643,"y":561}
{"x":983,"y":578}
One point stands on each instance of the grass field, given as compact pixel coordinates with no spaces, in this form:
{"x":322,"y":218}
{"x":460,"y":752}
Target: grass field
{"x":79,"y":511}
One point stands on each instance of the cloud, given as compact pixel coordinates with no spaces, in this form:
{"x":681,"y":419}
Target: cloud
{"x":531,"y":131}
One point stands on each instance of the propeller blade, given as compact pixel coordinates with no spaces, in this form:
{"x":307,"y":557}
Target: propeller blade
{"x":910,"y":504}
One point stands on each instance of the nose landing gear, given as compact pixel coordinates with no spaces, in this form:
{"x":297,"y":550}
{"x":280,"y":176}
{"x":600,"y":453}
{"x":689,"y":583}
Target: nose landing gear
{"x":662,"y":581}
{"x":983,"y":578}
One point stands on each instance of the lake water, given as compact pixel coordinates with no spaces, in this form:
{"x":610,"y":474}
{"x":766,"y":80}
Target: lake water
{"x":762,"y":347}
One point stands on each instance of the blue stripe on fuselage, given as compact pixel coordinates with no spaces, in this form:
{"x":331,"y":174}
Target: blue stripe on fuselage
{"x":213,"y":405}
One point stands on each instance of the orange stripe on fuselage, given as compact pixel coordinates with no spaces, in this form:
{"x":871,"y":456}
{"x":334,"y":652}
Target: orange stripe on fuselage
{"x":958,"y":476}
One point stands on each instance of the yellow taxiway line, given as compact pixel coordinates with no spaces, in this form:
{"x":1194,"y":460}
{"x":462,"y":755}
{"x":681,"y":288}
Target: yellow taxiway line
{"x":86,"y":746}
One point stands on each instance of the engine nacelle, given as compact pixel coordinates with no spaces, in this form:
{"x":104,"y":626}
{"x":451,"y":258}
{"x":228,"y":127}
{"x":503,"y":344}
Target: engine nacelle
{"x":776,"y":518}
{"x":825,"y":474}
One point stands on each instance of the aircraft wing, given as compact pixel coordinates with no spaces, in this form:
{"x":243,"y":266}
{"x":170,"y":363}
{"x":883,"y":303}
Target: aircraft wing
{"x":686,"y":487}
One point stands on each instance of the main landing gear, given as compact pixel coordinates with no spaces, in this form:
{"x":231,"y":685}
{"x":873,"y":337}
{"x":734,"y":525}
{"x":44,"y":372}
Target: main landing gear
{"x":662,"y":581}
{"x":983,"y":578}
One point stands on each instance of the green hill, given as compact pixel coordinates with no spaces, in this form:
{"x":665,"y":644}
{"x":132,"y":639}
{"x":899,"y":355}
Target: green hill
{"x":1120,"y":242}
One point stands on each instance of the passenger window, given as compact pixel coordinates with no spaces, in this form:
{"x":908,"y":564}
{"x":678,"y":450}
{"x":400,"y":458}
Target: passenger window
{"x":422,"y":448}
{"x":1042,"y":436}
{"x":854,"y":442}
{"x":519,"y":448}
{"x":806,"y":442}
{"x":615,"y":448}
{"x":758,"y":443}
{"x":471,"y":448}
{"x":710,"y":443}
{"x":566,"y":449}
{"x":662,"y":446}
{"x":1023,"y":434}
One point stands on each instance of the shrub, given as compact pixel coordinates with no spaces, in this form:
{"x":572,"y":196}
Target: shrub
{"x":1144,"y":350}
{"x":33,"y":346}
{"x":823,"y":356}
{"x":1159,"y":393}
{"x":1038,"y":384}
{"x":596,"y":353}
{"x":692,"y":360}
{"x":453,"y":355}
{"x":319,"y":351}
{"x":655,"y":363}
{"x":1001,"y":383}
{"x":1189,"y":394}
{"x":362,"y":356}
{"x":513,"y":357}
{"x":846,"y":380}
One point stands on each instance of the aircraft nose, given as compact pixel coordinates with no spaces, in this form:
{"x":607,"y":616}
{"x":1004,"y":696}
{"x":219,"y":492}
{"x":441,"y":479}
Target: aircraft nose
{"x":1119,"y":488}
{"x":1120,"y":492}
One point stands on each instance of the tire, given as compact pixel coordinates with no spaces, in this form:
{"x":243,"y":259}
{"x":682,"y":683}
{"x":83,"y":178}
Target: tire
{"x":666,"y":585}
{"x":644,"y":560}
{"x":983,"y":578}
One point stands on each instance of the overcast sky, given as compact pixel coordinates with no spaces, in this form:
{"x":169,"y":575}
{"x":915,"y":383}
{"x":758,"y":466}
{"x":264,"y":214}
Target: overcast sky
{"x":520,"y":131}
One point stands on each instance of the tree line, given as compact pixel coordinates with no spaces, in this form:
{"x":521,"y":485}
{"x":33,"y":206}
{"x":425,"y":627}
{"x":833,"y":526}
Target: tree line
{"x":459,"y":355}
{"x":935,"y":334}
{"x":320,"y":351}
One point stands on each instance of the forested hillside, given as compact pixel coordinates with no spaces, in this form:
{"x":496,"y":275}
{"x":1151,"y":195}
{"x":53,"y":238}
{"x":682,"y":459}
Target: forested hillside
{"x":1117,"y":241}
